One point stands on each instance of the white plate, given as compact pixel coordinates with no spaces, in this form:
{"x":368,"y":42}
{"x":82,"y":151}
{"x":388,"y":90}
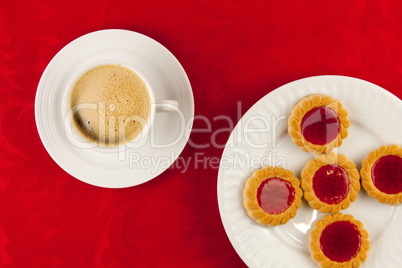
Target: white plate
{"x":168,"y":80}
{"x":375,"y":116}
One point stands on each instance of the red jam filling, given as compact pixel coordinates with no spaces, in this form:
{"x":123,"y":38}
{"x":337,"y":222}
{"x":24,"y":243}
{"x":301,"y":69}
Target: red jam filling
{"x":340,"y":241}
{"x":320,"y":125}
{"x":387,"y":174}
{"x":275,"y":195}
{"x":331,"y":184}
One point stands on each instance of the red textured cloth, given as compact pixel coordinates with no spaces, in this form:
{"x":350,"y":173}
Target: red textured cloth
{"x":233,"y":51}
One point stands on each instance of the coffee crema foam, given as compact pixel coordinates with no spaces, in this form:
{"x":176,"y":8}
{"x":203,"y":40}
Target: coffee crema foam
{"x":111,"y":104}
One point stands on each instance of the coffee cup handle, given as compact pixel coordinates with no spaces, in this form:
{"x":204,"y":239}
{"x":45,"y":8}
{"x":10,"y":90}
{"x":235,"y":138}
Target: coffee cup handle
{"x":163,"y":106}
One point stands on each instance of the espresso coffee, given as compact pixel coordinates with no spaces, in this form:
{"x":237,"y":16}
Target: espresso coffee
{"x":111,"y":104}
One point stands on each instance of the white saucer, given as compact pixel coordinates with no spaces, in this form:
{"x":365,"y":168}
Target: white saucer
{"x":171,"y":130}
{"x":260,"y":139}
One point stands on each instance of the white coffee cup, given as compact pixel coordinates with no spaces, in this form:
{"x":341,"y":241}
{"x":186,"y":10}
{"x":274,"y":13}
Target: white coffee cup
{"x":78,"y":139}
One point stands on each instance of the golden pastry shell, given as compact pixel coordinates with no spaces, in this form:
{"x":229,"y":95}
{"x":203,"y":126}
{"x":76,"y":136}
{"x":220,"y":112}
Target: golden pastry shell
{"x":315,"y":247}
{"x":365,"y":173}
{"x":250,"y":200}
{"x":302,"y":108}
{"x":307,"y":175}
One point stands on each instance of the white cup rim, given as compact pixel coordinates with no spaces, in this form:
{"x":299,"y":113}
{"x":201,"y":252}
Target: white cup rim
{"x":76,"y":137}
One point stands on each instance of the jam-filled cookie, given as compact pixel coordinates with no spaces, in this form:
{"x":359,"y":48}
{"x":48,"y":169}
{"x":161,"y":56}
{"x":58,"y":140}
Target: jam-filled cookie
{"x":272,"y":196}
{"x":318,"y":123}
{"x":330,"y":182}
{"x":381,"y":174}
{"x":339,"y":241}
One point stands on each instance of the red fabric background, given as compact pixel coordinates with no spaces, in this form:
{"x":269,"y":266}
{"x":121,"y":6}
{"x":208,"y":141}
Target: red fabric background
{"x":233,"y":51}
